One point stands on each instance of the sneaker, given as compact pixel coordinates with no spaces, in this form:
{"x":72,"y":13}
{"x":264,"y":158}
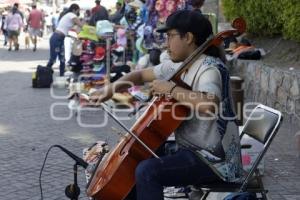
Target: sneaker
{"x":34,"y":48}
{"x":9,"y":49}
{"x":175,"y":193}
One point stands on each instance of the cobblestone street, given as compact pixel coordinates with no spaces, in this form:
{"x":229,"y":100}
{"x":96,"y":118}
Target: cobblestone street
{"x":27,"y":130}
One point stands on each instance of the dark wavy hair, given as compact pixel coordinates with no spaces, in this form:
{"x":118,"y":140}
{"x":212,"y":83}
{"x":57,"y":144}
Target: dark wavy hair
{"x":73,"y":7}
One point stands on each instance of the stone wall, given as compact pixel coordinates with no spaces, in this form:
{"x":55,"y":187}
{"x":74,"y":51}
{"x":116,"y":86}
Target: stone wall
{"x":271,"y":86}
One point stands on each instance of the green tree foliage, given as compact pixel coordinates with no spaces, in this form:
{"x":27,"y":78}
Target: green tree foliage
{"x":267,"y":17}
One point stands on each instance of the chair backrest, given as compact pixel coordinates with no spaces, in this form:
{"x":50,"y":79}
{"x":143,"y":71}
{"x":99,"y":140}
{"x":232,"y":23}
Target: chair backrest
{"x":262,"y":125}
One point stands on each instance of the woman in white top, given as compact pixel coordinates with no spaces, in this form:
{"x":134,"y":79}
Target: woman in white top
{"x":14,"y":23}
{"x":57,"y":39}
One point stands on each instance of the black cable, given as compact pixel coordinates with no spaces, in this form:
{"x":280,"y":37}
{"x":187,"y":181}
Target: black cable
{"x":40,"y":177}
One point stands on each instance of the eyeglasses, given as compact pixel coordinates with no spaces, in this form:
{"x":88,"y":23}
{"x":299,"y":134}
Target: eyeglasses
{"x":171,"y":35}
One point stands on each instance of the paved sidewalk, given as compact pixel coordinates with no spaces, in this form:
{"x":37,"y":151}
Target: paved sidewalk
{"x":27,"y":131}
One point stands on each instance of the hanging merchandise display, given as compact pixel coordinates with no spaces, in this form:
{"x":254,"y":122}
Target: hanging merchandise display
{"x":77,"y":47}
{"x":121,"y":37}
{"x":88,"y":47}
{"x":88,"y":32}
{"x":99,"y":54}
{"x":158,"y":11}
{"x":99,"y":65}
{"x":104,"y":28}
{"x":90,"y":61}
{"x":131,"y":17}
{"x":139,"y":45}
{"x":93,"y":73}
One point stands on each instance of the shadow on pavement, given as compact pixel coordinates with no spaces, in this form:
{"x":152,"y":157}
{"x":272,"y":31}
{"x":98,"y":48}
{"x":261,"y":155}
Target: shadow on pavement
{"x":23,"y":55}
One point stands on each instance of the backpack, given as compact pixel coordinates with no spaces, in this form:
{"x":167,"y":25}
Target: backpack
{"x":42,"y":78}
{"x":241,"y":196}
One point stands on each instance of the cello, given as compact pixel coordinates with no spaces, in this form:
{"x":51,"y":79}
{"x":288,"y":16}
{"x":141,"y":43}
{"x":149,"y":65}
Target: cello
{"x":113,"y":177}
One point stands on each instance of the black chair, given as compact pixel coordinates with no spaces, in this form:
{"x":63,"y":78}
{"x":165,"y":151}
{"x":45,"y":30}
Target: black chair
{"x":262,"y":125}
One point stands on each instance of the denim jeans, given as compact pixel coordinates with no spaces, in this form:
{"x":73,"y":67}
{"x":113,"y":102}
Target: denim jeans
{"x":180,"y":169}
{"x":57,"y":49}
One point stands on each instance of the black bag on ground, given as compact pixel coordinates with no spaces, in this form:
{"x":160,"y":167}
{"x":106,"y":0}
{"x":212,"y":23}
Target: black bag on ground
{"x":42,"y":78}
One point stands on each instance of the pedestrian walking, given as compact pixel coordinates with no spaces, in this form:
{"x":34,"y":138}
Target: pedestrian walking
{"x":57,"y":48}
{"x":4,"y":26}
{"x":35,"y":23}
{"x":14,"y":23}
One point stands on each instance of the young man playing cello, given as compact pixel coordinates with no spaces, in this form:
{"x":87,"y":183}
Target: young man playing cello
{"x":208,"y":144}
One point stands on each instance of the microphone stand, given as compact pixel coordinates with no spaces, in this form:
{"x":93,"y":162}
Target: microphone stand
{"x":72,"y":191}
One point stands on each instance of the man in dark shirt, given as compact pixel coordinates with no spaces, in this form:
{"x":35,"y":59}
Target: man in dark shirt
{"x":98,"y":13}
{"x":117,"y":16}
{"x":97,"y":7}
